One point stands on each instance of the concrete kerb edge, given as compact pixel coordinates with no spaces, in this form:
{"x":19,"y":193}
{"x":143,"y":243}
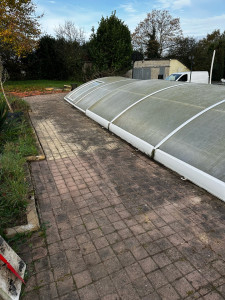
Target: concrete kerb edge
{"x":32,"y":221}
{"x":40,"y":156}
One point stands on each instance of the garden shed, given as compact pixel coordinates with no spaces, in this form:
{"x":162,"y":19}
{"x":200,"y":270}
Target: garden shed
{"x":157,"y":69}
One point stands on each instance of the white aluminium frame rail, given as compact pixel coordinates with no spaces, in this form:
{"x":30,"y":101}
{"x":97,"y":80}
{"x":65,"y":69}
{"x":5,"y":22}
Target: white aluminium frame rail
{"x":201,"y":178}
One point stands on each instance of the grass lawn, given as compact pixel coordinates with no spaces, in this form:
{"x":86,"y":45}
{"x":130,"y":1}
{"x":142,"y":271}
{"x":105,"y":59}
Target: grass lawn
{"x":34,"y":85}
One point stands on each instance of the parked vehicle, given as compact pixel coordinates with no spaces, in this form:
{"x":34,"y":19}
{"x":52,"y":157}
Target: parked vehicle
{"x":194,"y":76}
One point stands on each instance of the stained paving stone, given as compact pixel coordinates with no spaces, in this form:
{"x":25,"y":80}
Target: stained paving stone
{"x":161,"y":259}
{"x":184,"y":266}
{"x":82,"y":279}
{"x":148,"y":265}
{"x":88,"y":292}
{"x":183,"y":287}
{"x":98,"y":271}
{"x":118,"y":225}
{"x":171,"y":272}
{"x":48,"y":291}
{"x":106,"y":253}
{"x":105,"y":287}
{"x":196,"y":279}
{"x":157,"y":279}
{"x":126,"y":258}
{"x":168,"y":293}
{"x":152,"y":296}
{"x":139,"y":253}
{"x":72,"y":295}
{"x":143,"y":286}
{"x":127,"y":292}
{"x":213,"y":296}
{"x":111,"y":297}
{"x":65,"y":285}
{"x":112,"y":265}
{"x":134,"y":271}
{"x":120,"y":279}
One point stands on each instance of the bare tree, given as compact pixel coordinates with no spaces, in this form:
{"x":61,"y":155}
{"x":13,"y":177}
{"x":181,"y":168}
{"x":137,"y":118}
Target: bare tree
{"x":70,"y":32}
{"x":166,"y":29}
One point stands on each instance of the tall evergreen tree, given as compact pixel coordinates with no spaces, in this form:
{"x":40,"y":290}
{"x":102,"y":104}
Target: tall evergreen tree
{"x":152,"y":47}
{"x":110,"y":47}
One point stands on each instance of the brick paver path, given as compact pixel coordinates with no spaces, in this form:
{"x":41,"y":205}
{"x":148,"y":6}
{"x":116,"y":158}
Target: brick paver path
{"x":119,"y":226}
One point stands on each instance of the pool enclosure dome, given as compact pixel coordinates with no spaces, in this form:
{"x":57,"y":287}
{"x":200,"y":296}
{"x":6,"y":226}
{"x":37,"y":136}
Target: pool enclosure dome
{"x":181,"y":125}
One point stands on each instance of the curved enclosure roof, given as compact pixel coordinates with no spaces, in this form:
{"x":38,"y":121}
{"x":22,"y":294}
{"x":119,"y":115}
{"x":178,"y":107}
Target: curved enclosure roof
{"x":181,"y":125}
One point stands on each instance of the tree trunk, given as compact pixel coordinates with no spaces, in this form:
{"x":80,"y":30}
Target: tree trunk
{"x":2,"y":88}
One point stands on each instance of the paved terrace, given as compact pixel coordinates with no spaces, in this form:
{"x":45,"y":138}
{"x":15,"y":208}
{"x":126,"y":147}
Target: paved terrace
{"x":119,"y":226}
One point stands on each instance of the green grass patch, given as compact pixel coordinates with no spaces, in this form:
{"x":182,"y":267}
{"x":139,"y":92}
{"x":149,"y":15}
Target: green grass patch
{"x":34,"y":85}
{"x":17,"y":141}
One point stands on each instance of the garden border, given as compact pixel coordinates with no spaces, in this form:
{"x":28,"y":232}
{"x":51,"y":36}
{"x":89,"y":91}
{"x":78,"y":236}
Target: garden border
{"x":33,"y":223}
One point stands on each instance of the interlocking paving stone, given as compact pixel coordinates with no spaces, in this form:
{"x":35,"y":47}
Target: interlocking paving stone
{"x":118,"y":225}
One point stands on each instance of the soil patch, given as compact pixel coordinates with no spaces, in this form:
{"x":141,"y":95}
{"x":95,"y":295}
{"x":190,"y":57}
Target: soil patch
{"x":35,"y":93}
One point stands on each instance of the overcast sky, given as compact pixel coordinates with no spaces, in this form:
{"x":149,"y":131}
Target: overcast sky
{"x":197,"y":17}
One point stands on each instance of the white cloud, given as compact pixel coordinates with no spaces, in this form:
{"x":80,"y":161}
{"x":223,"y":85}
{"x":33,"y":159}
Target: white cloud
{"x":201,"y":27}
{"x":128,"y":7}
{"x":53,"y":2}
{"x":179,"y":4}
{"x":172,"y":4}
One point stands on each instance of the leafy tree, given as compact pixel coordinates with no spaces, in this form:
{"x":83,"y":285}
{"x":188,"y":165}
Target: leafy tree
{"x":19,"y":27}
{"x":204,"y":52}
{"x":182,"y":49}
{"x":137,"y":55}
{"x":166,"y":28}
{"x":54,"y":59}
{"x":110,"y":47}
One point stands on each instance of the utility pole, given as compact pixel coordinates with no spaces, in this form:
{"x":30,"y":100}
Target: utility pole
{"x":210,"y":76}
{"x":191,"y":57}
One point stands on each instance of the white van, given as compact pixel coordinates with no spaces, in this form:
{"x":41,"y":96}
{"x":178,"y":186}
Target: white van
{"x":194,"y":76}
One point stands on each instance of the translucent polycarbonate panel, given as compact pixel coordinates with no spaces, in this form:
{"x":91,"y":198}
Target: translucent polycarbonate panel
{"x":153,"y":119}
{"x":145,"y":87}
{"x":201,"y":143}
{"x":157,"y":116}
{"x":202,"y":95}
{"x":96,"y":95}
{"x":113,"y":104}
{"x":81,"y":91}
